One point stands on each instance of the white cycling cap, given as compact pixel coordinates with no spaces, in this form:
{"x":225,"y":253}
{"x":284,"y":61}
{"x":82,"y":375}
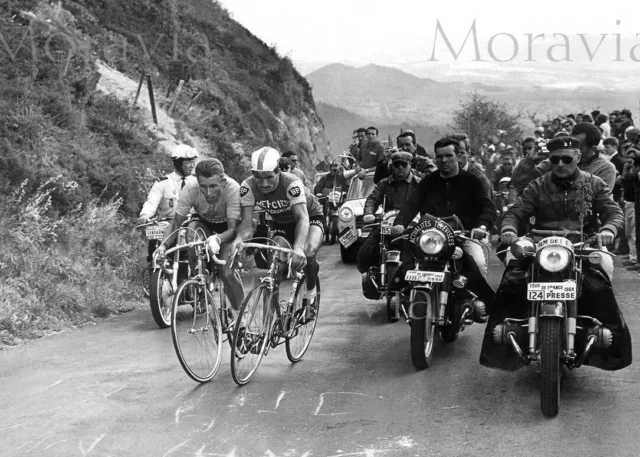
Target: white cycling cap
{"x":264,"y":159}
{"x":505,"y":180}
{"x":184,"y":151}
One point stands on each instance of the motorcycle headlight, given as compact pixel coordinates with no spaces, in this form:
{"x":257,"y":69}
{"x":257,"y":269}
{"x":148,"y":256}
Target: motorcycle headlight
{"x":522,"y":246}
{"x":346,"y":214}
{"x":432,"y":241}
{"x":554,"y":258}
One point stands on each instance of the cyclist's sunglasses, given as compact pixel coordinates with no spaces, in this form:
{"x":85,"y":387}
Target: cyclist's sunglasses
{"x":565,"y":159}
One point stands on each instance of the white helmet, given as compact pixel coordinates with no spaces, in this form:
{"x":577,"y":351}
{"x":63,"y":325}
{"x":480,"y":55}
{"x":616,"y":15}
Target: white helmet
{"x":265,"y":159}
{"x":184,"y":151}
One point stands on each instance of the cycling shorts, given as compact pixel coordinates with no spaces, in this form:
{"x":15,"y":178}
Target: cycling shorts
{"x":288,"y":231}
{"x":210,"y":226}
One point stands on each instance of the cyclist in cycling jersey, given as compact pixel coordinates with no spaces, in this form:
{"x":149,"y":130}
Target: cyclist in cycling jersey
{"x":298,"y":222}
{"x":215,"y":200}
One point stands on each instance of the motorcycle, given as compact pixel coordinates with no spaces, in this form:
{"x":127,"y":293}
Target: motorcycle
{"x":438,"y":296}
{"x":553,"y":334}
{"x":378,"y":281}
{"x":153,"y":233}
{"x":331,"y":200}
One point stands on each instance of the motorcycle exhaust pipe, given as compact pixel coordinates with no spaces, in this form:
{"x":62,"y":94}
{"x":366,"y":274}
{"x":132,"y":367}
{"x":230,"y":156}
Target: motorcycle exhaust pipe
{"x":516,"y":348}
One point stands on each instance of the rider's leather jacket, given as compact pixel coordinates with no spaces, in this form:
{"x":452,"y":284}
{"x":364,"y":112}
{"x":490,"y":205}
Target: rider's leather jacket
{"x":556,"y":204}
{"x":527,"y":170}
{"x":396,"y":193}
{"x":327,"y":181}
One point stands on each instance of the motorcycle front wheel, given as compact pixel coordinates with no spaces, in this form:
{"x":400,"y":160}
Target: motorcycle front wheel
{"x":550,"y":348}
{"x":423,"y":313}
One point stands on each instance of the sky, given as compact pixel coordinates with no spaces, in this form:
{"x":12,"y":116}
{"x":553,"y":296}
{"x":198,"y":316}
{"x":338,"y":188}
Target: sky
{"x":403,"y":32}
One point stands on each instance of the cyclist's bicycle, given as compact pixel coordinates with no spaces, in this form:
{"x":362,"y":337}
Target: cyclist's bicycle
{"x":263,"y":321}
{"x":200,"y":315}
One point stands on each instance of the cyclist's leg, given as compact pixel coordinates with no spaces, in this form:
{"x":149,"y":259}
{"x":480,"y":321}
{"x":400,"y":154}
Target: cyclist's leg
{"x":195,"y":226}
{"x":231,"y":279}
{"x":312,"y":245}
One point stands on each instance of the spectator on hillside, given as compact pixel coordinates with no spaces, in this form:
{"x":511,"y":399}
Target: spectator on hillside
{"x":466,"y":165}
{"x":624,"y":122}
{"x":539,"y":132}
{"x":633,"y":135}
{"x":504,"y":171}
{"x":325,"y":165}
{"x":632,"y":206}
{"x":602,"y":121}
{"x":284,"y":163}
{"x":358,"y":141}
{"x":372,"y":152}
{"x":611,"y":153}
{"x":293,"y":157}
{"x":420,"y":150}
{"x":587,"y":118}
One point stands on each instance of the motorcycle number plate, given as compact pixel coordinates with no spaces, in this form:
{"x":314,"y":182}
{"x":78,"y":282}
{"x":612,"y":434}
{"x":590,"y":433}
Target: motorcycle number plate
{"x":424,"y":276}
{"x":385,"y":230}
{"x":154,"y":234}
{"x":552,"y":291}
{"x":348,"y":238}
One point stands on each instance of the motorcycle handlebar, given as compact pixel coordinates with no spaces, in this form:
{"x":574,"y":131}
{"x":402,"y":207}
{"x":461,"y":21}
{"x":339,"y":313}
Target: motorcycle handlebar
{"x":151,"y":222}
{"x":562,"y":233}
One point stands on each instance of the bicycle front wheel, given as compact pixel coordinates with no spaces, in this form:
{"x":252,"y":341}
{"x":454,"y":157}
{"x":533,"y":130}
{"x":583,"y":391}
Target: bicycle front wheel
{"x":252,"y":334}
{"x":196,"y":331}
{"x":302,"y":322}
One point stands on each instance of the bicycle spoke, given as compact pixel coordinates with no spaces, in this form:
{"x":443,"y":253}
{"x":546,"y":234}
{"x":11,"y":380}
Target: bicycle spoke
{"x":302,"y":322}
{"x":252,"y":334}
{"x":196,"y":331}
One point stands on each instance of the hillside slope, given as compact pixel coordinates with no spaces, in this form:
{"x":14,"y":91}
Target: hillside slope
{"x":77,"y":159}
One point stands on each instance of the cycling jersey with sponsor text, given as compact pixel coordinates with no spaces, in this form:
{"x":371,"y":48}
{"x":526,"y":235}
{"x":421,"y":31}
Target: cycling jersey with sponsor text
{"x":277,"y":204}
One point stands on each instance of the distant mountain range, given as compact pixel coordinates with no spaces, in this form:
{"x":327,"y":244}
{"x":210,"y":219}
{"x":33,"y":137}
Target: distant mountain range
{"x":391,"y":96}
{"x":339,"y":125}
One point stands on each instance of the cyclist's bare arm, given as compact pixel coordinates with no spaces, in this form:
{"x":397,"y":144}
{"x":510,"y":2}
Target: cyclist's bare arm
{"x":301,"y":216}
{"x":245,"y":231}
{"x":175,"y":224}
{"x":229,"y":234}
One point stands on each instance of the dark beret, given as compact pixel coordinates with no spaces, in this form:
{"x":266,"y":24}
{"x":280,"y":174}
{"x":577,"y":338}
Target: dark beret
{"x":563,"y":142}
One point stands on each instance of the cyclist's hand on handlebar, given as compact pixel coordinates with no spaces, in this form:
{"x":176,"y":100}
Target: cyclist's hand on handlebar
{"x":605,"y":237}
{"x":213,"y":244}
{"x":508,"y":237}
{"x":479,"y":233}
{"x":161,"y":252}
{"x":298,"y":259}
{"x":142,"y":220}
{"x":368,"y":218}
{"x":397,"y":230}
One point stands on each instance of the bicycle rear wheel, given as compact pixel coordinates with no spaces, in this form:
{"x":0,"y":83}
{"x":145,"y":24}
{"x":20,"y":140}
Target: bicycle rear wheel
{"x":196,"y":331}
{"x":301,"y":328}
{"x":252,"y":334}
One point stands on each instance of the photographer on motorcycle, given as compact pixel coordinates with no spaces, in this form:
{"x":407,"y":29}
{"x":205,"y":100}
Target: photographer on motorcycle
{"x":451,"y":191}
{"x":556,"y":201}
{"x":394,"y":191}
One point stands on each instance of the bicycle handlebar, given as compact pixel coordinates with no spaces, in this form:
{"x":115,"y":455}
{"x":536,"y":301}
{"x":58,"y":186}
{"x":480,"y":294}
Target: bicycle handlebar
{"x":192,"y":245}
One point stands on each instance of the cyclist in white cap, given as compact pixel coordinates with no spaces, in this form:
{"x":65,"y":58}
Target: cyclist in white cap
{"x":298,"y":222}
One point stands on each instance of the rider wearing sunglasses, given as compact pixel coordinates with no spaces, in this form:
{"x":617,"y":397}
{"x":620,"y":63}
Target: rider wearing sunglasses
{"x":530,"y":167}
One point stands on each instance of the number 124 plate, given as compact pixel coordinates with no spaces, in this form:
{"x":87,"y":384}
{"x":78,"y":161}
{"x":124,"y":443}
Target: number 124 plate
{"x":551,"y":291}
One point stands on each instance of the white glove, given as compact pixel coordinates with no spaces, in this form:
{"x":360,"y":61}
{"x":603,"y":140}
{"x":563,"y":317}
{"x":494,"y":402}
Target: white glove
{"x":213,"y":245}
{"x":368,"y":218}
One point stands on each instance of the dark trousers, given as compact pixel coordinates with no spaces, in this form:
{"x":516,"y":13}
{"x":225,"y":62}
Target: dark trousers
{"x":369,"y":253}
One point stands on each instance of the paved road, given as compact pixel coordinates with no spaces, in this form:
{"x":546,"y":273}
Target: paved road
{"x":116,"y":389}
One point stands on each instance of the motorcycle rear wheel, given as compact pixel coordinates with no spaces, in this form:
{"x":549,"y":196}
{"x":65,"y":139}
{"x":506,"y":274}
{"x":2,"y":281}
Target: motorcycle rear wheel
{"x":550,"y":348}
{"x":160,"y":298}
{"x":333,"y":230}
{"x":423,"y":313}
